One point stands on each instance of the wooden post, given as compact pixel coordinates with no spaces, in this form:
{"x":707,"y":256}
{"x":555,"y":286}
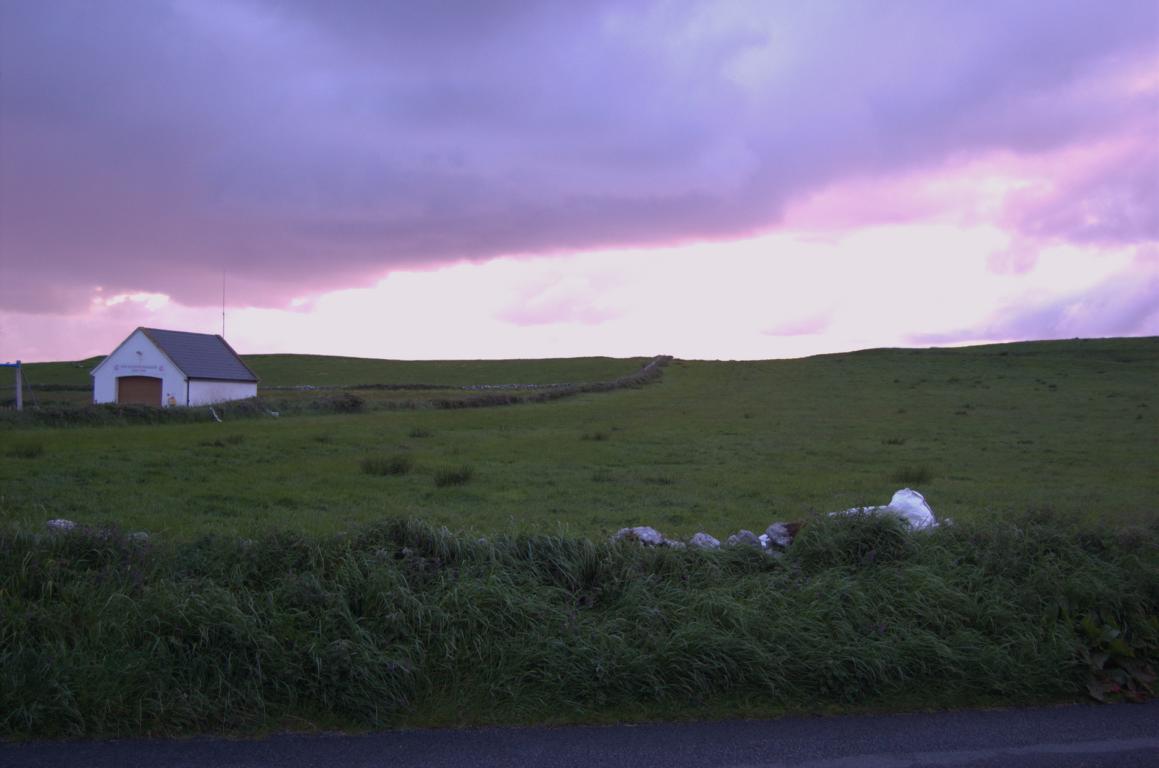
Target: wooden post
{"x":19,"y":388}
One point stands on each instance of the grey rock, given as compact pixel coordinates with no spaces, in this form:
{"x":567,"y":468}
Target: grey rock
{"x":641,"y":533}
{"x":743,"y":538}
{"x":703,"y":541}
{"x":779,"y":536}
{"x":60,"y":524}
{"x":139,"y":536}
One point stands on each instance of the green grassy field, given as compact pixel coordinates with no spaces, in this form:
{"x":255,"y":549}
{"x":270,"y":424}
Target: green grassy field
{"x":295,"y":575}
{"x":715,"y":446}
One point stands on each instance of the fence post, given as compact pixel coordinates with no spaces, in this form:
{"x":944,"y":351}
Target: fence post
{"x":19,"y":388}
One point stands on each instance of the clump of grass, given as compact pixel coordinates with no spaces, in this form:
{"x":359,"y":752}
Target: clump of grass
{"x":28,"y":449}
{"x":912,"y":475}
{"x":602,"y":476}
{"x":595,"y":436}
{"x":852,"y":541}
{"x":449,"y":476}
{"x":419,"y":432}
{"x":387,"y":465}
{"x":324,"y":438}
{"x":222,"y":442}
{"x":893,"y":441}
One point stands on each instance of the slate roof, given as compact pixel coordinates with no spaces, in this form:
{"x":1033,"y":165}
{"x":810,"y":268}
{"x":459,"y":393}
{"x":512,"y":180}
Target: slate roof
{"x":201,"y":355}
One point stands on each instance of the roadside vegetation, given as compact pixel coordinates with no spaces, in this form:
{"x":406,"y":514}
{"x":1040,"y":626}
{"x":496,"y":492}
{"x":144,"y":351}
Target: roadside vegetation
{"x":402,"y":623}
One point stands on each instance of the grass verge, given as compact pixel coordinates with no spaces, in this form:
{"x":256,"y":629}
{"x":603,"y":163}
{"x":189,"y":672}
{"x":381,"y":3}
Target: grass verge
{"x":107,"y":635}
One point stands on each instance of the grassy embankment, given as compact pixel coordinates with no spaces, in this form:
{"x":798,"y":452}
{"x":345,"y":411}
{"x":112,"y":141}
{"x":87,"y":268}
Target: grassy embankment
{"x":402,"y":624}
{"x":399,"y":623}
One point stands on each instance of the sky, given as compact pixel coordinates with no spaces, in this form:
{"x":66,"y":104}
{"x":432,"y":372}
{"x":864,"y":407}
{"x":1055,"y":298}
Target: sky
{"x":736,"y":179}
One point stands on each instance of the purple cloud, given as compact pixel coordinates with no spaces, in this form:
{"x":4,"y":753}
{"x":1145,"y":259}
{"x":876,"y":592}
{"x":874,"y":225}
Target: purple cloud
{"x":303,"y":146}
{"x":1118,"y":205}
{"x":1123,"y":305}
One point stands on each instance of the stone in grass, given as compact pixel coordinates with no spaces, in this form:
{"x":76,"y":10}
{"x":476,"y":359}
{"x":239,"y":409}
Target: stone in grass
{"x":60,"y":524}
{"x":781,"y":535}
{"x":743,"y":538}
{"x":641,"y":533}
{"x":704,"y":541}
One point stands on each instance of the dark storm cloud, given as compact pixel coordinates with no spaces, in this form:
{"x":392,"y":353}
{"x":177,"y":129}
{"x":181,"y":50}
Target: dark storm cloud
{"x":146,"y":145}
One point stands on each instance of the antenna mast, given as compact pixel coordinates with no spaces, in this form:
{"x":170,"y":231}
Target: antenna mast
{"x":223,"y":302}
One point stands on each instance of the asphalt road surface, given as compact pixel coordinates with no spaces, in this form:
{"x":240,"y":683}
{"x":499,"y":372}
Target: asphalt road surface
{"x":1118,"y":736}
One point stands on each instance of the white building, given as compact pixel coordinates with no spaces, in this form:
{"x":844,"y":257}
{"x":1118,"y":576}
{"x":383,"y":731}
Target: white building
{"x":164,"y":368}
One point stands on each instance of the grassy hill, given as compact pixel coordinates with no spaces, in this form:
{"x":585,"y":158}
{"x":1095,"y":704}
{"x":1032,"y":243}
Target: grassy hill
{"x":322,"y":370}
{"x":1073,"y":426}
{"x":328,"y":370}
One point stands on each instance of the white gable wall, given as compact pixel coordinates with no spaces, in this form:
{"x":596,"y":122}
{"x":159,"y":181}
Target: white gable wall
{"x":209,"y":391}
{"x":138,"y":356}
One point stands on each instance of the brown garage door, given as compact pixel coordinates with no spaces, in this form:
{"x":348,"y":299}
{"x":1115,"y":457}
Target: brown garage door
{"x":139,"y":390}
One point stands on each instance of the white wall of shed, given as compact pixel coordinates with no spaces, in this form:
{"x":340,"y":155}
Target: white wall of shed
{"x":138,"y":356}
{"x":203,"y":392}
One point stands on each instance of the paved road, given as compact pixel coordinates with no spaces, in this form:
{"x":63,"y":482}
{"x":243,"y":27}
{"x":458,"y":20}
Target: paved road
{"x":1122,"y":736}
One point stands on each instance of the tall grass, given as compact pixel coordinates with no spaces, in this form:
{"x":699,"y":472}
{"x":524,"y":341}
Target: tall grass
{"x":448,"y":476}
{"x":26,"y":449}
{"x":386,"y":465}
{"x":103,"y":635}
